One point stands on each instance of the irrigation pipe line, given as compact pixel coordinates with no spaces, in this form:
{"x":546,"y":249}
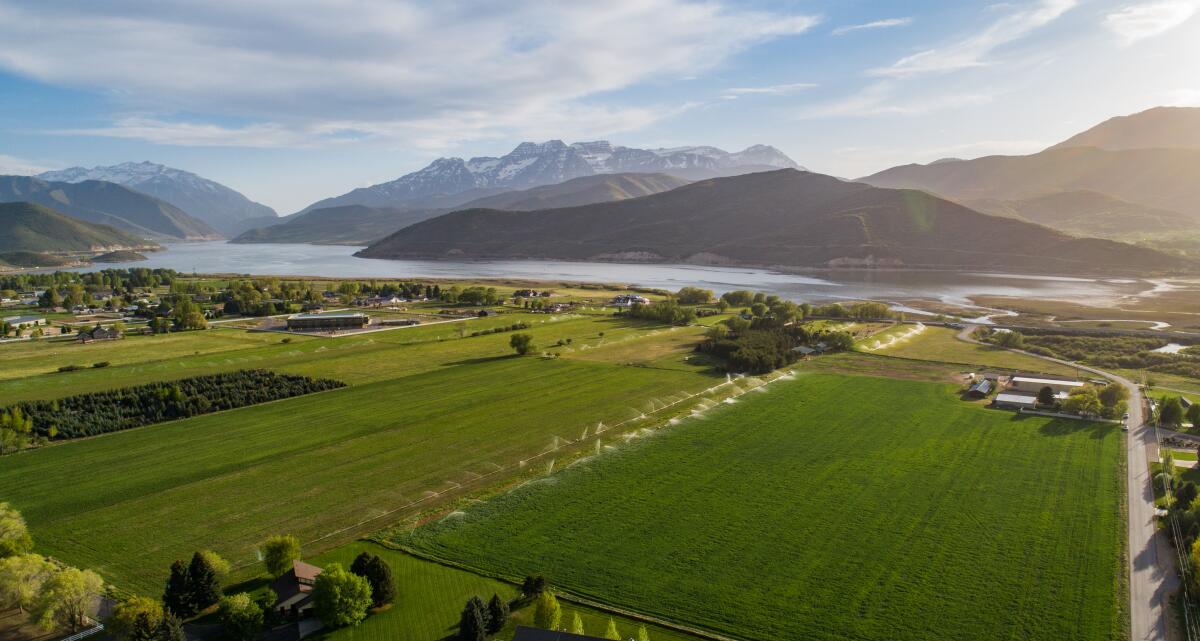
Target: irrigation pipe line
{"x":433,"y":495}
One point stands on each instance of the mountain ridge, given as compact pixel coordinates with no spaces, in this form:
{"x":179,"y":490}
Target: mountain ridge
{"x":223,"y":208}
{"x":109,"y":204}
{"x":791,"y":219}
{"x":535,"y":164}
{"x":30,"y":227}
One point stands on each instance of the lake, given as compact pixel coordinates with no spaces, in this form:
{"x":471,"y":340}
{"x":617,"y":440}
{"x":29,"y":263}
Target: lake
{"x":817,"y":286}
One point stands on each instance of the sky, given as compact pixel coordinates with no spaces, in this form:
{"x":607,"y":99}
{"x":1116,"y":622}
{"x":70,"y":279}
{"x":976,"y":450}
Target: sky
{"x":291,"y":101}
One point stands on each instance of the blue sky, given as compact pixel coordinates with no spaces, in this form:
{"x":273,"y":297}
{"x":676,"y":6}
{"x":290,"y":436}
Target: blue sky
{"x":290,"y":101}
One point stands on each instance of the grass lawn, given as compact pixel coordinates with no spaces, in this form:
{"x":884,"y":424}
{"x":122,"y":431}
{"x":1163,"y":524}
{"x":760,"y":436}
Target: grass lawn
{"x":830,"y":508}
{"x":940,"y":344}
{"x":127,"y":504}
{"x":430,"y":598}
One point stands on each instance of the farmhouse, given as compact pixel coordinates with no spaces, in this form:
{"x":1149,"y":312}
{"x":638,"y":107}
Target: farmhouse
{"x":303,"y":322}
{"x":1015,"y":401}
{"x":526,"y":633}
{"x":98,"y":333}
{"x":1033,"y":385}
{"x":293,"y":590}
{"x":629,"y":300}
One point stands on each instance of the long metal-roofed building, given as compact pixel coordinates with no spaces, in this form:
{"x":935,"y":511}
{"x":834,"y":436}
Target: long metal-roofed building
{"x":347,"y":320}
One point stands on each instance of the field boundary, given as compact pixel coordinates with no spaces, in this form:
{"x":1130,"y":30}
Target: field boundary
{"x":567,"y":596}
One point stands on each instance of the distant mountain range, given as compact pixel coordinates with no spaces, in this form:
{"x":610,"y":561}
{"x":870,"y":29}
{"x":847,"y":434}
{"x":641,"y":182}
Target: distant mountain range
{"x":361,"y":225}
{"x":1157,"y":128}
{"x":28,"y":227}
{"x":107,"y":203}
{"x":548,"y":163}
{"x":780,"y":218}
{"x":1127,"y":177}
{"x":224,"y":209}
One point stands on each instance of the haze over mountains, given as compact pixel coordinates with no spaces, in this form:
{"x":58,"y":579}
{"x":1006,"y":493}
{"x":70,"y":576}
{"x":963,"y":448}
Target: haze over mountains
{"x":224,"y":209}
{"x":108,"y":203}
{"x":535,"y":164}
{"x":780,"y":218}
{"x":1147,"y":162}
{"x":362,"y":225}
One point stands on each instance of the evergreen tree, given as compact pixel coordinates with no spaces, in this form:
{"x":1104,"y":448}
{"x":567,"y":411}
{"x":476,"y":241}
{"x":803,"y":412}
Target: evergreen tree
{"x":611,"y":631}
{"x":359,"y":566}
{"x":177,"y":598}
{"x":470,"y":626}
{"x":170,"y":628}
{"x":205,"y":587}
{"x":577,"y":625}
{"x":643,"y":635}
{"x":497,"y":614}
{"x":383,"y":586}
{"x":144,"y":628}
{"x":486,"y":616}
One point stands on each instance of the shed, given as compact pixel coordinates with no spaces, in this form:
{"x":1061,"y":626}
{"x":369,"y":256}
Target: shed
{"x":980,"y":389}
{"x":1015,"y":401}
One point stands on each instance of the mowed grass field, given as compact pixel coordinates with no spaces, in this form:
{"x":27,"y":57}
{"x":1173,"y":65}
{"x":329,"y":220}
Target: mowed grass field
{"x":421,"y":419}
{"x":830,"y":507}
{"x":941,"y":344}
{"x":430,"y":598}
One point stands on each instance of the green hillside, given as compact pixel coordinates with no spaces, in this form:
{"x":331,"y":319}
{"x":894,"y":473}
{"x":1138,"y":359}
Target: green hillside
{"x":26,"y":227}
{"x":587,"y":190}
{"x":784,"y":217}
{"x":1089,"y":213}
{"x":109,"y":204}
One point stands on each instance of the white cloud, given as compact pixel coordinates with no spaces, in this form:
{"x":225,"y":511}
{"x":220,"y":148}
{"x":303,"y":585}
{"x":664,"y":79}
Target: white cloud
{"x":769,"y":90}
{"x":13,"y":166}
{"x":1138,"y":22}
{"x":877,"y":24}
{"x":296,"y":66}
{"x":974,"y":50}
{"x":880,"y":99}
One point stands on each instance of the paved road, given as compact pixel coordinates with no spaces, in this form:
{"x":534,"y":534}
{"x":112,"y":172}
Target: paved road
{"x":1152,"y":574}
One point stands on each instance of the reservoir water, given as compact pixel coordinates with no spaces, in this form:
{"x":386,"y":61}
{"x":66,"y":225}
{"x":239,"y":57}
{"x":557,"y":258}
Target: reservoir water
{"x":339,"y":261}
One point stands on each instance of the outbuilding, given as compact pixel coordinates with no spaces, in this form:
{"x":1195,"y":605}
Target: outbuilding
{"x":1015,"y":401}
{"x":1033,"y":385}
{"x":980,"y":389}
{"x":308,"y":322}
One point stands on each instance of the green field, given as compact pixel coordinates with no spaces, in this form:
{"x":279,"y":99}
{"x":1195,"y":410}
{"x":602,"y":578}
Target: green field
{"x":940,"y":344}
{"x":430,"y":598}
{"x":439,"y":417}
{"x":830,"y":507}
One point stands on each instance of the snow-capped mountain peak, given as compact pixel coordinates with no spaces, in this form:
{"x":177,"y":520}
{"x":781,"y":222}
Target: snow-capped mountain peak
{"x":533,"y":164}
{"x":225,"y":209}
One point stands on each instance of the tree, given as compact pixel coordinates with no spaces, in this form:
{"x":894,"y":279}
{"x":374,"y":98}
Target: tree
{"x":240,"y":616}
{"x":548,"y":613}
{"x":177,"y":597}
{"x":738,"y":298}
{"x":694,"y":296}
{"x":204,"y":586}
{"x":533,"y":586}
{"x":611,"y":631}
{"x":1112,"y":394}
{"x":378,"y":574}
{"x":278,"y":553}
{"x":1185,"y":495}
{"x":135,"y":619}
{"x":340,"y":597}
{"x":521,"y":343}
{"x":1171,"y":411}
{"x":170,"y":628}
{"x":643,"y":634}
{"x":1010,"y":339}
{"x":759,"y":310}
{"x":1045,"y":396}
{"x":14,"y":535}
{"x":1193,"y":414}
{"x":219,"y":565}
{"x":577,"y":625}
{"x":497,"y":611}
{"x":66,"y":598}
{"x":471,"y":626}
{"x":21,"y":580}
{"x":1085,"y":401}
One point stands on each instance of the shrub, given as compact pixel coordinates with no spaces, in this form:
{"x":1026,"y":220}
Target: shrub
{"x":100,"y":364}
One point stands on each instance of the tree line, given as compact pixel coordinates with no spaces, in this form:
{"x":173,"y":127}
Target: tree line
{"x":480,"y":621}
{"x":124,"y":408}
